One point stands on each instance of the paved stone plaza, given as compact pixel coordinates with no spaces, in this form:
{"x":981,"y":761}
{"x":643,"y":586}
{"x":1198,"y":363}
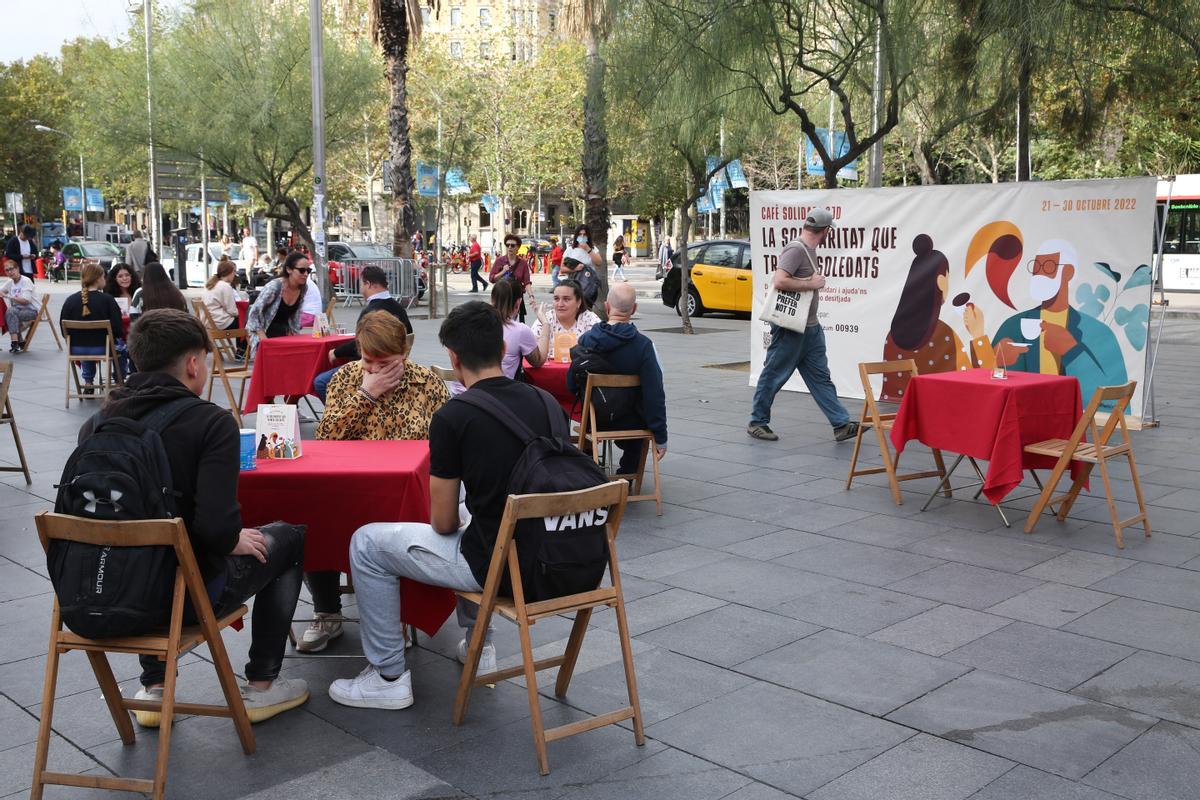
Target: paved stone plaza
{"x":792,"y":638}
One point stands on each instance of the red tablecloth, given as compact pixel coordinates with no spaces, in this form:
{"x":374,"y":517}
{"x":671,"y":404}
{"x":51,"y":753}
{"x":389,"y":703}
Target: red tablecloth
{"x":286,"y":366}
{"x":243,"y":309}
{"x":552,"y":376}
{"x":337,"y":487}
{"x":971,"y":413}
{"x":3,"y":311}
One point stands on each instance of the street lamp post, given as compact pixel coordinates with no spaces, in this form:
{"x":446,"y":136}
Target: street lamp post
{"x":40,"y":128}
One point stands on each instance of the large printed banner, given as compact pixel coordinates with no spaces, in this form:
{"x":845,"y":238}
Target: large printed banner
{"x":1049,"y":277}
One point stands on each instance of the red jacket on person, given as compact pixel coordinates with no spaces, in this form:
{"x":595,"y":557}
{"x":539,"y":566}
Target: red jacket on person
{"x":520,"y":272}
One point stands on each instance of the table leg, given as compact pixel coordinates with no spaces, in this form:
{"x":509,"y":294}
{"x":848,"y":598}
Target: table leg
{"x":945,"y":481}
{"x":999,"y":508}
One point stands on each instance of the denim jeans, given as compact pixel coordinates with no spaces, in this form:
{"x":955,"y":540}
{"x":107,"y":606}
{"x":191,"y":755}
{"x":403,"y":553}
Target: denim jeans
{"x":275,"y":587}
{"x":325,"y":586}
{"x":475,"y":276}
{"x":805,"y":353}
{"x":321,"y":383}
{"x":382,"y":552}
{"x":87,"y":369}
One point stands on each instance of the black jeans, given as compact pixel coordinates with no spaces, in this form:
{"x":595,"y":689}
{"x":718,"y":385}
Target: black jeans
{"x":275,"y":587}
{"x":242,"y":344}
{"x":631,"y":450}
{"x":326,"y":590}
{"x":475,"y":276}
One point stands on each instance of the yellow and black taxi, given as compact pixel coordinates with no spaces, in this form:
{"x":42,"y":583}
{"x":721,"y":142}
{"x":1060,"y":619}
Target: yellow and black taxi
{"x":720,"y":278}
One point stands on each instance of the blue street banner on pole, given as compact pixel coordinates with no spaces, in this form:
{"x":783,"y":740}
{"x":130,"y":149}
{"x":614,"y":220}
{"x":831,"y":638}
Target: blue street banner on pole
{"x":95,"y":200}
{"x":427,"y":179}
{"x":71,"y":199}
{"x":704,"y":205}
{"x":841,"y":146}
{"x":455,"y":182}
{"x":718,"y":182}
{"x":737,"y":176}
{"x":490,"y":202}
{"x":238,"y":196}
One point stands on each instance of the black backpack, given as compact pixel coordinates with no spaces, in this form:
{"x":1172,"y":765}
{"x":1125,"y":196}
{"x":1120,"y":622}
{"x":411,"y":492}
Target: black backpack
{"x":614,"y":405}
{"x":119,"y":472}
{"x":558,"y":555}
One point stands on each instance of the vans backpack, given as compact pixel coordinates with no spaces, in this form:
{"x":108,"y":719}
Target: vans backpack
{"x":558,"y":555}
{"x":119,"y":472}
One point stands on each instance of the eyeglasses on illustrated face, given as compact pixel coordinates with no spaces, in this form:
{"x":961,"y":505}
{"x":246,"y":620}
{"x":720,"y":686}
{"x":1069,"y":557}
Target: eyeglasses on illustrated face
{"x":1042,"y":265}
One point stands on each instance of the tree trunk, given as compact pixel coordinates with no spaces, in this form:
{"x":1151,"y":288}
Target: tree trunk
{"x":1023,"y":102}
{"x":685,"y":282}
{"x":394,"y":40}
{"x":594,"y":160}
{"x":924,"y":161}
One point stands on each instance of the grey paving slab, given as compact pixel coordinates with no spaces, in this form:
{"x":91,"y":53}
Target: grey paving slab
{"x":659,"y":565}
{"x":362,"y":776}
{"x":922,"y":768}
{"x":1147,"y":626}
{"x":1156,"y":583}
{"x":669,"y":775}
{"x":1163,"y":764}
{"x":510,"y":765}
{"x":1035,"y":726}
{"x":751,"y":583}
{"x":786,"y":739}
{"x":870,"y":676}
{"x":885,"y":530}
{"x":940,"y":630}
{"x":1026,"y":783}
{"x":758,"y":791}
{"x":1161,"y":548}
{"x":716,"y":530}
{"x":1040,"y":655}
{"x":660,"y":609}
{"x":16,"y":764}
{"x":775,"y":544}
{"x":635,"y":542}
{"x":1078,"y":568}
{"x":982,"y":550}
{"x":729,"y":635}
{"x":1051,"y":604}
{"x":767,"y":480}
{"x":855,"y":608}
{"x":1158,"y":685}
{"x":668,"y":683}
{"x":17,"y":726}
{"x":965,"y":585}
{"x":863,"y":563}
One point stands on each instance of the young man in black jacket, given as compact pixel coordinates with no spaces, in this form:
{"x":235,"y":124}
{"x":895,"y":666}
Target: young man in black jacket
{"x":629,"y":352}
{"x":170,"y":349}
{"x":374,"y":287}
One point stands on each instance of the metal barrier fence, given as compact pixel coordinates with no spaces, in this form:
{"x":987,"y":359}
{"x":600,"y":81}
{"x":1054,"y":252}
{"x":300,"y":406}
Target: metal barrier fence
{"x":402,"y":276}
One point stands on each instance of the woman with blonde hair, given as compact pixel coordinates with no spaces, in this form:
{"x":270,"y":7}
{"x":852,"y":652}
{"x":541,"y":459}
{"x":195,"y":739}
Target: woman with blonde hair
{"x":221,"y":300}
{"x":380,"y":396}
{"x":91,"y":304}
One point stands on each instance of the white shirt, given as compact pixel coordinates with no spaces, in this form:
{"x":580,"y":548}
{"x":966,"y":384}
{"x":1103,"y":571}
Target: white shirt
{"x":249,"y":250}
{"x":582,"y":256}
{"x":26,"y":255}
{"x":312,"y":299}
{"x":22,"y":288}
{"x":221,"y":302}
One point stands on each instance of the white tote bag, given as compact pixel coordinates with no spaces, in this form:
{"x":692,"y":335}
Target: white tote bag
{"x":789,"y":309}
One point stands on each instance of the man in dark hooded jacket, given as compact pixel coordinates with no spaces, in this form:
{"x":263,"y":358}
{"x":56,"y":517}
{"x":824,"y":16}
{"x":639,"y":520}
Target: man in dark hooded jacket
{"x":170,"y":349}
{"x":629,"y":352}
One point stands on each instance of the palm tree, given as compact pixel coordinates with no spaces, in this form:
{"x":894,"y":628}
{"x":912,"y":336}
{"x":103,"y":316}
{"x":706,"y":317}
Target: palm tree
{"x":395,"y":26}
{"x":591,"y":22}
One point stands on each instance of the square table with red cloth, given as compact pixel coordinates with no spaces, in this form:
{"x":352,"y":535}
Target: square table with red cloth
{"x":552,"y":376}
{"x":971,"y":413}
{"x":335,"y":488}
{"x":287,"y":365}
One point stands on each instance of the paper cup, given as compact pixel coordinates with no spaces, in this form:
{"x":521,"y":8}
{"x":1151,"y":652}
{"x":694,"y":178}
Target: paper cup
{"x":248,"y":446}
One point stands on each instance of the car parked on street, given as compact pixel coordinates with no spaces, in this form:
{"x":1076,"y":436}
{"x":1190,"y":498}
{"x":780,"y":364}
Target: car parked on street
{"x":81,"y":253}
{"x":721,"y":279}
{"x":337,"y":252}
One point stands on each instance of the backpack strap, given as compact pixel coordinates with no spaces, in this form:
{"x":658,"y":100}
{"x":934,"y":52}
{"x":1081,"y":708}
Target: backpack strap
{"x":165,"y":414}
{"x":484,"y":401}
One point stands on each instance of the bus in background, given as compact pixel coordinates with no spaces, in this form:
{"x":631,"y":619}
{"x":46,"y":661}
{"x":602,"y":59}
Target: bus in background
{"x":1181,"y":250}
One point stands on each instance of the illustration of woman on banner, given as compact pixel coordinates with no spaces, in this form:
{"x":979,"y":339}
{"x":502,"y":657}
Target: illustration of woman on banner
{"x":917,"y":331}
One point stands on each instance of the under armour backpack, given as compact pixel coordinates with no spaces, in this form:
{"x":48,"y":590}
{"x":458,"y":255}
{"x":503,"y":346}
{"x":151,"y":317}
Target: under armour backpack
{"x":558,"y":555}
{"x":119,"y":472}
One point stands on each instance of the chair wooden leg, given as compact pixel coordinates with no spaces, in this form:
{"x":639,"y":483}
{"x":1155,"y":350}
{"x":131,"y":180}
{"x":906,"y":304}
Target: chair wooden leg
{"x":647,"y":448}
{"x":21,"y":450}
{"x":229,"y":687}
{"x":639,"y":736}
{"x":168,"y":705}
{"x":42,"y":752}
{"x":1064,"y":508}
{"x":112,"y":695}
{"x":1047,"y":492}
{"x":535,"y":708}
{"x":1137,"y":489}
{"x":890,"y":466}
{"x":857,"y":446}
{"x":657,"y":481}
{"x":574,"y":645}
{"x":1112,"y":504}
{"x":466,"y":681}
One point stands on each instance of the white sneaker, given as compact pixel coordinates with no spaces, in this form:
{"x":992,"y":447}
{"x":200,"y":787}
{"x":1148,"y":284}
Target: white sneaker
{"x":284,"y":695}
{"x":487,"y":657}
{"x":370,"y":690}
{"x":148,"y":719}
{"x":321,"y":631}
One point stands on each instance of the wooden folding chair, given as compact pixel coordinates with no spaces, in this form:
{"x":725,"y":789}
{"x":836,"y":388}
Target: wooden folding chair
{"x":882,"y":425}
{"x":107,"y":369}
{"x":408,"y":342}
{"x":445,"y":373}
{"x":329,"y":312}
{"x":167,"y":644}
{"x":241,"y":372}
{"x":1092,"y":451}
{"x":7,"y":418}
{"x":227,"y":349}
{"x":30,"y":328}
{"x":504,"y":555}
{"x":588,"y":433}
